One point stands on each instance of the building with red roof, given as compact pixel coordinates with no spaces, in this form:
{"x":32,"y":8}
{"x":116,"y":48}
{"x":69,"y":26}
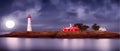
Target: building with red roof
{"x":70,"y":29}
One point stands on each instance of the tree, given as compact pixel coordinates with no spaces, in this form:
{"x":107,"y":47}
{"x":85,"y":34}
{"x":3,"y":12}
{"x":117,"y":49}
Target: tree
{"x":81,"y":26}
{"x":85,"y":27}
{"x":95,"y":27}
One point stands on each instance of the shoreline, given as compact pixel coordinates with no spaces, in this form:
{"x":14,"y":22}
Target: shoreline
{"x":69,"y":35}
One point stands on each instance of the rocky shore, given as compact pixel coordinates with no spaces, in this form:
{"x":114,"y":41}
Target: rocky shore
{"x":60,"y":34}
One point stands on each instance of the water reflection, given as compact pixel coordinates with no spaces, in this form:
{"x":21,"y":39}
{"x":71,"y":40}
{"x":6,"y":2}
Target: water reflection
{"x":12,"y":43}
{"x":75,"y":44}
{"x":65,"y":43}
{"x":103,"y":44}
{"x":28,"y":43}
{"x":32,"y":44}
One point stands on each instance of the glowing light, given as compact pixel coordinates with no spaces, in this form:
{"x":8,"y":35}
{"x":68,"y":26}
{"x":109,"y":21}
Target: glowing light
{"x":9,"y":24}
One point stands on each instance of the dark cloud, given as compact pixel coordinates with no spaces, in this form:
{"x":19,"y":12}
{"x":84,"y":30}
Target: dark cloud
{"x":54,"y":14}
{"x":5,"y":6}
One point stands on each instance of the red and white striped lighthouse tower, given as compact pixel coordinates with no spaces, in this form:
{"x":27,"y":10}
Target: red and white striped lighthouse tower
{"x":29,"y":26}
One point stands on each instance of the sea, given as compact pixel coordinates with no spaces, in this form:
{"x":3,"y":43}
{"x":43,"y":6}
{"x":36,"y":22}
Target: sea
{"x":55,"y":44}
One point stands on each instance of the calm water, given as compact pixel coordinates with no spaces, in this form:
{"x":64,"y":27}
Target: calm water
{"x":39,"y":44}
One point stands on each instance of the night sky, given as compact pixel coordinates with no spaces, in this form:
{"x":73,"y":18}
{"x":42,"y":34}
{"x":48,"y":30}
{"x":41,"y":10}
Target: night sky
{"x":55,"y":14}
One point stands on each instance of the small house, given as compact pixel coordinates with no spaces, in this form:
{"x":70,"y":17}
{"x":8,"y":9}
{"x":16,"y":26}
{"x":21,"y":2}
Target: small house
{"x":102,"y":29}
{"x":70,"y":29}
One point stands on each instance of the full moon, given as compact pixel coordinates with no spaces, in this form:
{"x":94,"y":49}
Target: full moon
{"x":10,"y":24}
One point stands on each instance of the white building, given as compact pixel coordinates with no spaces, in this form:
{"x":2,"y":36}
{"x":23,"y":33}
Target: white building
{"x":102,"y":29}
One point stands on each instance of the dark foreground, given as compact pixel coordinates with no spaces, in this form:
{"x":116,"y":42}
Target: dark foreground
{"x":58,"y":34}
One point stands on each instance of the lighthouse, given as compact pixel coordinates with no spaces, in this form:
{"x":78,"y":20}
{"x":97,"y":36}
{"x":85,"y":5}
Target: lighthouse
{"x":29,"y":26}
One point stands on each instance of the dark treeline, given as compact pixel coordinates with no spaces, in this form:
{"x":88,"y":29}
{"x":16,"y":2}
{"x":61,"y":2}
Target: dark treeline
{"x":83,"y":27}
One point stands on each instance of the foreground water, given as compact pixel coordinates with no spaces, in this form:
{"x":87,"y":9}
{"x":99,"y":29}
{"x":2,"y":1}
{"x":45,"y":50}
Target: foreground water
{"x":43,"y":44}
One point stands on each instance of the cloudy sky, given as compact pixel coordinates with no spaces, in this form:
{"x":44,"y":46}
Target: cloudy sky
{"x":55,"y":14}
